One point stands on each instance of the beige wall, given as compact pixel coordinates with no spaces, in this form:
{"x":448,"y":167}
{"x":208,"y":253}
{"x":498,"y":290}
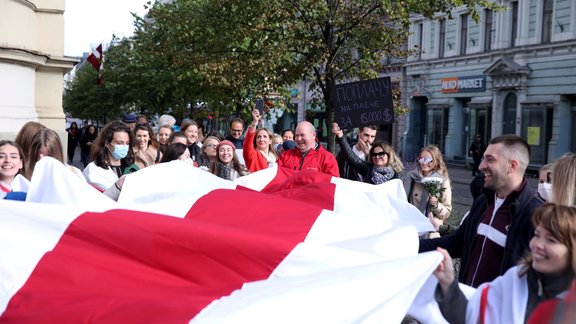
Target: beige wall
{"x":32,"y":65}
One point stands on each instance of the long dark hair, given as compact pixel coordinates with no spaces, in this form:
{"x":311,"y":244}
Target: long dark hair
{"x":173,"y":152}
{"x":100,"y":151}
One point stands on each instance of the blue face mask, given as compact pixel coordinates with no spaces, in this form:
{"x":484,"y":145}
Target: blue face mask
{"x":120,"y":151}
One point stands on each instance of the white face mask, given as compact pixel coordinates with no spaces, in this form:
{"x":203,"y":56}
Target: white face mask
{"x":545,"y":191}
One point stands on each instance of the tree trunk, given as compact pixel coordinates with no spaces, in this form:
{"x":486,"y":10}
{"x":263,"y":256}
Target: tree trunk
{"x":329,"y":113}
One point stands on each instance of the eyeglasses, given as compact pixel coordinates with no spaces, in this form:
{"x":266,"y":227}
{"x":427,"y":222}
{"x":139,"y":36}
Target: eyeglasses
{"x":236,"y":130}
{"x":210,"y":145}
{"x":424,"y":160}
{"x":378,"y":155}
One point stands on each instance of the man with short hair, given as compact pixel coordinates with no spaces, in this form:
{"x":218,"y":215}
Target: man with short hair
{"x":496,"y":233}
{"x":366,"y":136}
{"x":235,"y":133}
{"x":308,"y":153}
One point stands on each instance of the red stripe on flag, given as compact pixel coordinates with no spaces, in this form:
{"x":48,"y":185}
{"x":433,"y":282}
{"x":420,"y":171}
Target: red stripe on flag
{"x":308,"y":186}
{"x":132,"y":266}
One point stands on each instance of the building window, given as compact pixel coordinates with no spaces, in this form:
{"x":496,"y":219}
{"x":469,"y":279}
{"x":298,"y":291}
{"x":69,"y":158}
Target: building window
{"x":463,"y":34}
{"x":420,"y":39}
{"x":510,"y":103}
{"x":547,"y":21}
{"x":514,"y":29}
{"x":442,"y":38}
{"x":488,"y":25}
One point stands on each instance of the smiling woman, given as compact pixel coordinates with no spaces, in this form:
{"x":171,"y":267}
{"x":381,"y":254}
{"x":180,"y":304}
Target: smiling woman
{"x":545,"y":274}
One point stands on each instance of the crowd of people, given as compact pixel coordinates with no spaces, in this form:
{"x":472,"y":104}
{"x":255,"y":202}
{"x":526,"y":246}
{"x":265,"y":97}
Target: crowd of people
{"x":516,"y":244}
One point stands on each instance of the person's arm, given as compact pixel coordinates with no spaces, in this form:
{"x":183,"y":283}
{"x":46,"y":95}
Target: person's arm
{"x":453,"y":243}
{"x":450,"y":299}
{"x":355,"y":162}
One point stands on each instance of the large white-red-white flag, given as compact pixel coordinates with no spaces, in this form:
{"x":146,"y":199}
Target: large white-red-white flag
{"x":182,"y":244}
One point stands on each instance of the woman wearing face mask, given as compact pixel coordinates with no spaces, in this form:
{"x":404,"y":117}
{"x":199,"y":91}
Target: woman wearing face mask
{"x":111,"y":156}
{"x":545,"y":182}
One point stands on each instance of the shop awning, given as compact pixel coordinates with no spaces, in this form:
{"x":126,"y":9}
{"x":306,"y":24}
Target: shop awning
{"x":480,"y":102}
{"x":439,"y":103}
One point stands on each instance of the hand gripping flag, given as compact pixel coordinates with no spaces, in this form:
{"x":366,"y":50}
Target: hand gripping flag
{"x":181,"y":244}
{"x":96,"y":59}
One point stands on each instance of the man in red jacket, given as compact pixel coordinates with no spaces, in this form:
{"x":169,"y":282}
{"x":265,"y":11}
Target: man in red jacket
{"x":308,"y":154}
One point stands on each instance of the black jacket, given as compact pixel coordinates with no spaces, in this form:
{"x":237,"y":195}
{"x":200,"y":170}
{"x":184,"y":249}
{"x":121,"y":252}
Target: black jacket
{"x":459,"y":244}
{"x":353,"y":167}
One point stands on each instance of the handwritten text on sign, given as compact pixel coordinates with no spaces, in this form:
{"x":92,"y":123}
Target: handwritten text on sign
{"x":363,"y":103}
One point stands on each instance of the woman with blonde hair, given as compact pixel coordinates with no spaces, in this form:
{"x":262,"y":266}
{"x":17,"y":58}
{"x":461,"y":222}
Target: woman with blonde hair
{"x":564,"y":180}
{"x":258,"y":150}
{"x":382,"y":163}
{"x":431,"y":168}
{"x":208,"y":154}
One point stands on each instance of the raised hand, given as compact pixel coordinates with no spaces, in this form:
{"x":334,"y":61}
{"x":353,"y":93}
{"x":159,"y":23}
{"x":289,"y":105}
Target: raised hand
{"x":336,"y":130}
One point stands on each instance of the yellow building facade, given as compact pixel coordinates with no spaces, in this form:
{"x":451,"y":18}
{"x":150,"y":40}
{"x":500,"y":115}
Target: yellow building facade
{"x":32,"y":65}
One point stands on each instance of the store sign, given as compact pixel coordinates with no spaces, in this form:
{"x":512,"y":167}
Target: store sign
{"x":463,"y":84}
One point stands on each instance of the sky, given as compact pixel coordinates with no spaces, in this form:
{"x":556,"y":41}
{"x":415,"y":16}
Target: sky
{"x":88,"y":23}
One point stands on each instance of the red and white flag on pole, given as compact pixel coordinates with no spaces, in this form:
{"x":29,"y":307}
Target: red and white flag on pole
{"x":180,"y":240}
{"x":96,"y":59}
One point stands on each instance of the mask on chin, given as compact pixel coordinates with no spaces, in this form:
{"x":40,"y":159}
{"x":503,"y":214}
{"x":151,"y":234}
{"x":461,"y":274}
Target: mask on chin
{"x":120,"y":151}
{"x":545,"y":191}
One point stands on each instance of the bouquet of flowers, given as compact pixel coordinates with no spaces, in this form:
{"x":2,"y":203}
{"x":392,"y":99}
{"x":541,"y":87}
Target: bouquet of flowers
{"x":433,"y":186}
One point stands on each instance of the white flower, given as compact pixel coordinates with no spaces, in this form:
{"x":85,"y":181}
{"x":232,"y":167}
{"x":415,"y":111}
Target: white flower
{"x":433,"y":186}
{"x":432,"y":181}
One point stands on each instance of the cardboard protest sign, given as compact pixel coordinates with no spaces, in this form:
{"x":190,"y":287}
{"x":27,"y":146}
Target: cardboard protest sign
{"x":363,"y":103}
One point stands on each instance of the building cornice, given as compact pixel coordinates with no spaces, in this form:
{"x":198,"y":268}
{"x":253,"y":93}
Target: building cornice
{"x":27,"y":3}
{"x":34,"y":8}
{"x":36,"y":59}
{"x":534,"y":52}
